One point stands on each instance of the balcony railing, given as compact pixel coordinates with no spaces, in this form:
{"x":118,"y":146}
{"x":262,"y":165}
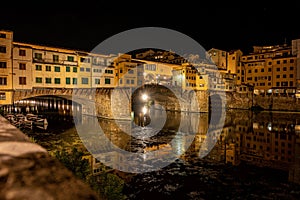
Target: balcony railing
{"x":51,"y":61}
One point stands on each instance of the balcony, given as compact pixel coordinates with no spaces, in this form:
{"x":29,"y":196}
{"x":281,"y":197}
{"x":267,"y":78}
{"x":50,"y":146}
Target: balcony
{"x":51,"y":61}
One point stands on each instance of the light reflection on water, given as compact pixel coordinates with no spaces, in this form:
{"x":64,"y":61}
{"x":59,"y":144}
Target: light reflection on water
{"x":268,"y":140}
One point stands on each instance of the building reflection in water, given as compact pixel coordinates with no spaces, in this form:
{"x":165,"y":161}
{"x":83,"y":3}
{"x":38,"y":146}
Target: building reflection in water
{"x":265,"y":139}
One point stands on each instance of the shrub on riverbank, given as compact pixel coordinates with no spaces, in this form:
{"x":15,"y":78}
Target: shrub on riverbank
{"x":108,"y":186}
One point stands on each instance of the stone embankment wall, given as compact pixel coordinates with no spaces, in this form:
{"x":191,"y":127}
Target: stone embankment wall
{"x":278,"y":103}
{"x":238,"y":100}
{"x":27,"y":171}
{"x":246,"y":101}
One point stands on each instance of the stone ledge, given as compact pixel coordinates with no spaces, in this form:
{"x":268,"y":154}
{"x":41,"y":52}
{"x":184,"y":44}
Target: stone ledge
{"x":27,"y":171}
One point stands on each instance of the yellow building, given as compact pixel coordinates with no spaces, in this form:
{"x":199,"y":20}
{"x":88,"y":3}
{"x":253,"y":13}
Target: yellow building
{"x":85,"y":70}
{"x":233,"y":60}
{"x":6,"y":72}
{"x":22,"y":67}
{"x":51,"y":67}
{"x":188,"y":77}
{"x":270,"y":69}
{"x":27,"y":66}
{"x":104,"y":73}
{"x":127,"y":71}
{"x":223,"y":74}
{"x":157,"y":72}
{"x":219,"y":58}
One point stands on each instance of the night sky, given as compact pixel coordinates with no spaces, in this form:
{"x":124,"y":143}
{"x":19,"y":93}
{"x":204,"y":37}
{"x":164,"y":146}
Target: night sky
{"x":84,"y":26}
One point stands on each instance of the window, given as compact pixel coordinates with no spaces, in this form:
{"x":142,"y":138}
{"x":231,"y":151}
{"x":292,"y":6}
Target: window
{"x":68,"y":69}
{"x":97,"y":70}
{"x":55,"y":58}
{"x":121,"y":81}
{"x":22,"y":80}
{"x":291,"y":75}
{"x":84,"y":81}
{"x":107,"y":80}
{"x":291,"y":83}
{"x":2,"y":64}
{"x":57,"y":69}
{"x":48,"y":80}
{"x":2,"y":49}
{"x":292,"y":61}
{"x":22,"y":66}
{"x":3,"y":81}
{"x":278,"y":69}
{"x":291,"y":68}
{"x":278,"y":62}
{"x":2,"y":35}
{"x":132,"y":81}
{"x":269,"y":69}
{"x":130,"y":71}
{"x":284,"y":76}
{"x":38,"y":80}
{"x":262,"y":70}
{"x":57,"y":80}
{"x":249,"y":71}
{"x":97,"y":81}
{"x":269,"y":63}
{"x":75,"y":69}
{"x":87,"y":69}
{"x":38,"y":56}
{"x":284,"y":69}
{"x":151,"y":67}
{"x":81,"y":69}
{"x":107,"y":71}
{"x":22,"y":52}
{"x":2,"y":96}
{"x":255,"y":70}
{"x":277,"y":76}
{"x":74,"y":81}
{"x":284,"y":61}
{"x":38,"y":67}
{"x":70,"y":58}
{"x":85,"y":60}
{"x":48,"y":68}
{"x":68,"y":81}
{"x":128,"y":81}
{"x":284,"y":83}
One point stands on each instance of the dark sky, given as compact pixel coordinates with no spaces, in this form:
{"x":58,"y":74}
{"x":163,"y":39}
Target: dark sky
{"x":84,"y":26}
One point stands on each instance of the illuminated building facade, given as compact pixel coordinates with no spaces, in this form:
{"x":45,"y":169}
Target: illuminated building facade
{"x":270,"y":69}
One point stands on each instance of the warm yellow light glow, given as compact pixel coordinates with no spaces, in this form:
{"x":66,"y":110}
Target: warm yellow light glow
{"x":144,"y":110}
{"x":144,"y":97}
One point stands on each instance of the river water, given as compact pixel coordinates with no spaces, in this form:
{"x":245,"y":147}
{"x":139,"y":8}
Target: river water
{"x":252,"y":155}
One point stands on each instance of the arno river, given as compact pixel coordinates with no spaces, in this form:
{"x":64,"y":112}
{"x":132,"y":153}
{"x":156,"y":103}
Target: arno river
{"x":254,"y":155}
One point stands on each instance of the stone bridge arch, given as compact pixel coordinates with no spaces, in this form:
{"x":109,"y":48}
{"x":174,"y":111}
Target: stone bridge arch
{"x":100,"y":102}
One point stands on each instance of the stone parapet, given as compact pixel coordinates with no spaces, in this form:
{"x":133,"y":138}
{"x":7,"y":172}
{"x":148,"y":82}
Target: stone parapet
{"x":27,"y":171}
